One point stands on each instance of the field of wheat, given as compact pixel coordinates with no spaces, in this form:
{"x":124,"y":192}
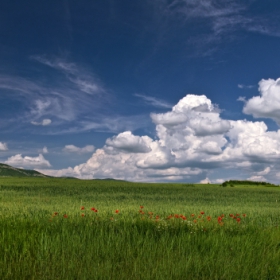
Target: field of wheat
{"x":95,"y":229}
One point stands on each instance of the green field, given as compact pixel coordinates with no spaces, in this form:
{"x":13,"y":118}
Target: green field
{"x":43,"y":234}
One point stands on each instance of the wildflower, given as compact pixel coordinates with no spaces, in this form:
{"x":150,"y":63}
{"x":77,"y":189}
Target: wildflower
{"x":183,"y":218}
{"x":208,"y":218}
{"x":82,"y":207}
{"x":195,"y":221}
{"x":157,"y":217}
{"x":220,"y":219}
{"x":92,"y":208}
{"x":192,"y":215}
{"x":83,"y":214}
{"x":231,"y":215}
{"x":199,"y":216}
{"x":238,"y":220}
{"x":65,"y":216}
{"x":141,"y":206}
{"x":151,"y":213}
{"x":176,"y":216}
{"x":237,"y":214}
{"x":117,"y":211}
{"x":95,"y":210}
{"x":202,"y":212}
{"x":169,"y":217}
{"x":55,"y":214}
{"x":244,"y":215}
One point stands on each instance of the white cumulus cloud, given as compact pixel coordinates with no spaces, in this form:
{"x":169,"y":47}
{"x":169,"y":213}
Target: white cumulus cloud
{"x":28,"y":162}
{"x":128,"y":142}
{"x":267,"y":104}
{"x":45,"y":150}
{"x":3,"y":146}
{"x":192,"y":139}
{"x":75,"y":149}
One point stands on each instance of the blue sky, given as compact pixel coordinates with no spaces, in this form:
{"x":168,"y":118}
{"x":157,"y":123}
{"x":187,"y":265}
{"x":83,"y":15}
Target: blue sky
{"x":141,"y":90}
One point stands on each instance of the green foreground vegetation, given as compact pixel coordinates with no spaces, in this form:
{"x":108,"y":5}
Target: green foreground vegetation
{"x":70,"y":229}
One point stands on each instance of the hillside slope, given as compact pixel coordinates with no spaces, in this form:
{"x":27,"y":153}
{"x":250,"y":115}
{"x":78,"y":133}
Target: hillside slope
{"x":9,"y":171}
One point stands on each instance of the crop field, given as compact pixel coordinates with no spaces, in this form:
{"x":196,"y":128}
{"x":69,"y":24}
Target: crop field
{"x":96,"y":229}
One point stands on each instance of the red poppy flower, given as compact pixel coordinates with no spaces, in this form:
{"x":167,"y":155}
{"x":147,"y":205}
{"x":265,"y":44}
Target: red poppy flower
{"x":183,"y":218}
{"x":92,"y":208}
{"x":95,"y":210}
{"x":231,"y":215}
{"x":195,"y":221}
{"x":141,"y":206}
{"x":117,"y":211}
{"x":244,"y":215}
{"x":208,"y":218}
{"x":238,"y":220}
{"x":202,"y":212}
{"x":199,"y":216}
{"x":176,"y":216}
{"x":55,"y":214}
{"x":192,"y":215}
{"x":83,"y":214}
{"x":65,"y":216}
{"x":82,"y":207}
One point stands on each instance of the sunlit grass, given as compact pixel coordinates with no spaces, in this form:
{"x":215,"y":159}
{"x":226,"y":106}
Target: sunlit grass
{"x":37,"y":240}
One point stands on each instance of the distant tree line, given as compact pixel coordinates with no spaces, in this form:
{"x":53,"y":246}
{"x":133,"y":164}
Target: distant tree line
{"x":245,"y":182}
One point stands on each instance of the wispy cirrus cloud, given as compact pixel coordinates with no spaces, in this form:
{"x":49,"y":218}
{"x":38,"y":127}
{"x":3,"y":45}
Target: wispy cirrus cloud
{"x":219,"y":17}
{"x":71,"y":96}
{"x":154,"y":101}
{"x":102,"y":123}
{"x":241,"y":86}
{"x":81,"y":78}
{"x":44,"y":122}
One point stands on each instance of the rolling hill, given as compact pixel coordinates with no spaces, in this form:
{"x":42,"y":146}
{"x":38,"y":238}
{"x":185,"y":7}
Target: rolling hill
{"x":9,"y":171}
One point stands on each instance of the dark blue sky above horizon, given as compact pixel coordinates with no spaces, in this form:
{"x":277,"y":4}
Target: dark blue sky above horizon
{"x":74,"y":74}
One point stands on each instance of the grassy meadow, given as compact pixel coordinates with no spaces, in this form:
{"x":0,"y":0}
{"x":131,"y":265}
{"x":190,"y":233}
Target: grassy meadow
{"x":94,"y":229}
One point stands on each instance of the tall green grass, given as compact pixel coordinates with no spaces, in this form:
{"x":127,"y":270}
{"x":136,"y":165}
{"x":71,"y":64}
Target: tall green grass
{"x":35,"y":244}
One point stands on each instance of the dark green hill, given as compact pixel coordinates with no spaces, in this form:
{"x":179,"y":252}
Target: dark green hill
{"x":9,"y":171}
